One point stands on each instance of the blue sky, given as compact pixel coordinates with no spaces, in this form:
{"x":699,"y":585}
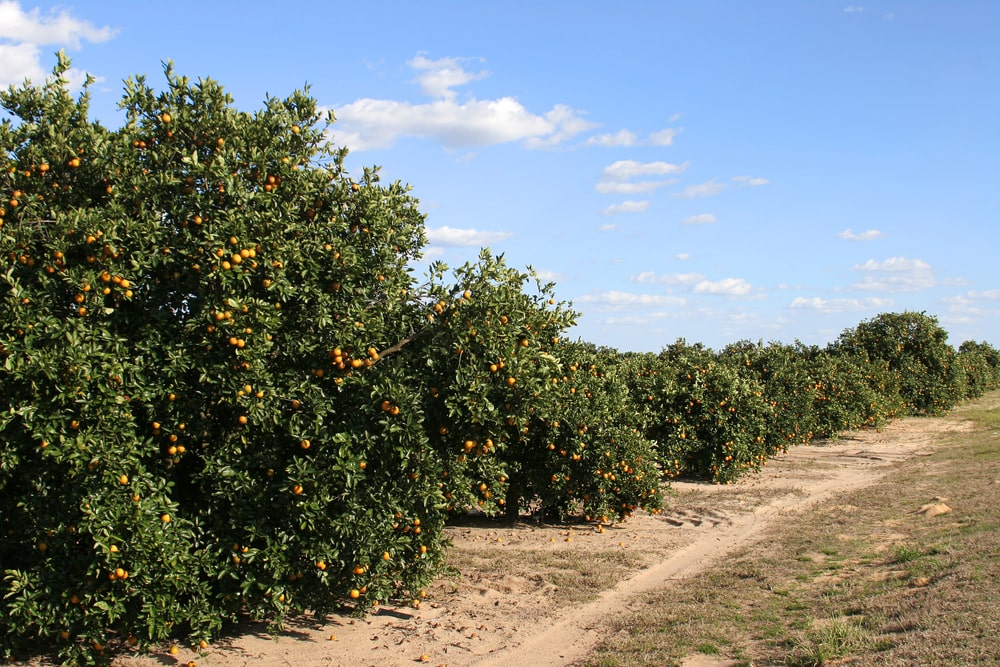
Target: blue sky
{"x":714,"y":171}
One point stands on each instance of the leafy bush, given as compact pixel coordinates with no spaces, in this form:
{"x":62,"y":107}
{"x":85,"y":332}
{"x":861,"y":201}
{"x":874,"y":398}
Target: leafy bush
{"x":917,"y":352}
{"x":708,"y":421}
{"x":193,"y":309}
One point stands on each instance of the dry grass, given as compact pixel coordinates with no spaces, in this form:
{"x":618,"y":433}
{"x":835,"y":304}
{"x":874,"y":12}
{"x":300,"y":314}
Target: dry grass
{"x":864,"y":580}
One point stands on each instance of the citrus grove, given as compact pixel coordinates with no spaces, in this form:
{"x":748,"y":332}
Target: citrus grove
{"x":225,"y":395}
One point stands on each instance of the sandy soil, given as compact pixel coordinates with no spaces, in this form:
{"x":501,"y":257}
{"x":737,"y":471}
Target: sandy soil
{"x":518,"y":600}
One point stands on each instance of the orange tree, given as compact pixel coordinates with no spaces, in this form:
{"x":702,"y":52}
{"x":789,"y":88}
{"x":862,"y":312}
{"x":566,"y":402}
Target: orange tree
{"x":916,"y":350}
{"x":788,"y":383}
{"x":581,"y":450}
{"x":817,"y":394}
{"x":708,"y":420}
{"x":521,"y":419}
{"x":980,"y":363}
{"x":193,"y":310}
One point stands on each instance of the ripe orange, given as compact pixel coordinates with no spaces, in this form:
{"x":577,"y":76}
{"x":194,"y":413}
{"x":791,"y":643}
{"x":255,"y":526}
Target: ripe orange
{"x":355,"y":594}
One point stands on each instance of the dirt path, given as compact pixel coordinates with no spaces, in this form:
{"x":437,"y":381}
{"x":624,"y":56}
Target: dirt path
{"x":532,"y":594}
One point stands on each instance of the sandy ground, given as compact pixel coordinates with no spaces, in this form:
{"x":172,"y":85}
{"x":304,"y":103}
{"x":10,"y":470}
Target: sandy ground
{"x":507,"y":608}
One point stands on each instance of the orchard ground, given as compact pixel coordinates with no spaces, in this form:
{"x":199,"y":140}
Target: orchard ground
{"x":681,"y":587}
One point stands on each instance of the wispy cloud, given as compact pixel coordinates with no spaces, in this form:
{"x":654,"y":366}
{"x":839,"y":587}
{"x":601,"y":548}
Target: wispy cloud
{"x":853,"y":9}
{"x":630,"y":188}
{"x":706,"y":189}
{"x":839,"y":305}
{"x":626,"y":207}
{"x":607,"y":227}
{"x":896,"y":274}
{"x":623,"y":170}
{"x":368,"y":123}
{"x":437,"y":78}
{"x":22,"y":33}
{"x":620,"y":138}
{"x":750,"y":181}
{"x":617,"y":178}
{"x":651,"y":277}
{"x":452,"y":237}
{"x":867,"y":235}
{"x":664,"y":137}
{"x":700,"y":219}
{"x":726,"y":286}
{"x":614,"y":299}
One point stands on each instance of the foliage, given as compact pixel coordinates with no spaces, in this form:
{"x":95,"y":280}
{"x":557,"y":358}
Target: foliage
{"x":708,"y":420}
{"x":916,"y":349}
{"x":980,"y":364}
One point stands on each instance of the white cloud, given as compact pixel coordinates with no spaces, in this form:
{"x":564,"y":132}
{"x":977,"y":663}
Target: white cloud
{"x":626,"y":207}
{"x":839,"y":305}
{"x":651,"y":277}
{"x":616,"y":299}
{"x":636,"y":320}
{"x":700,"y":219}
{"x":450,"y":236}
{"x":438,"y":77}
{"x":627,"y":188}
{"x":546,"y":276}
{"x":24,"y":32}
{"x":702,"y":190}
{"x":682,"y":256}
{"x":750,"y":181}
{"x":368,"y":123}
{"x":615,"y":179}
{"x":566,"y":123}
{"x":58,"y":27}
{"x":853,"y":9}
{"x":726,"y":286}
{"x":623,"y":170}
{"x":867,"y":235}
{"x":608,"y":227}
{"x":620,"y":138}
{"x":896,"y":274}
{"x":664,"y":137}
